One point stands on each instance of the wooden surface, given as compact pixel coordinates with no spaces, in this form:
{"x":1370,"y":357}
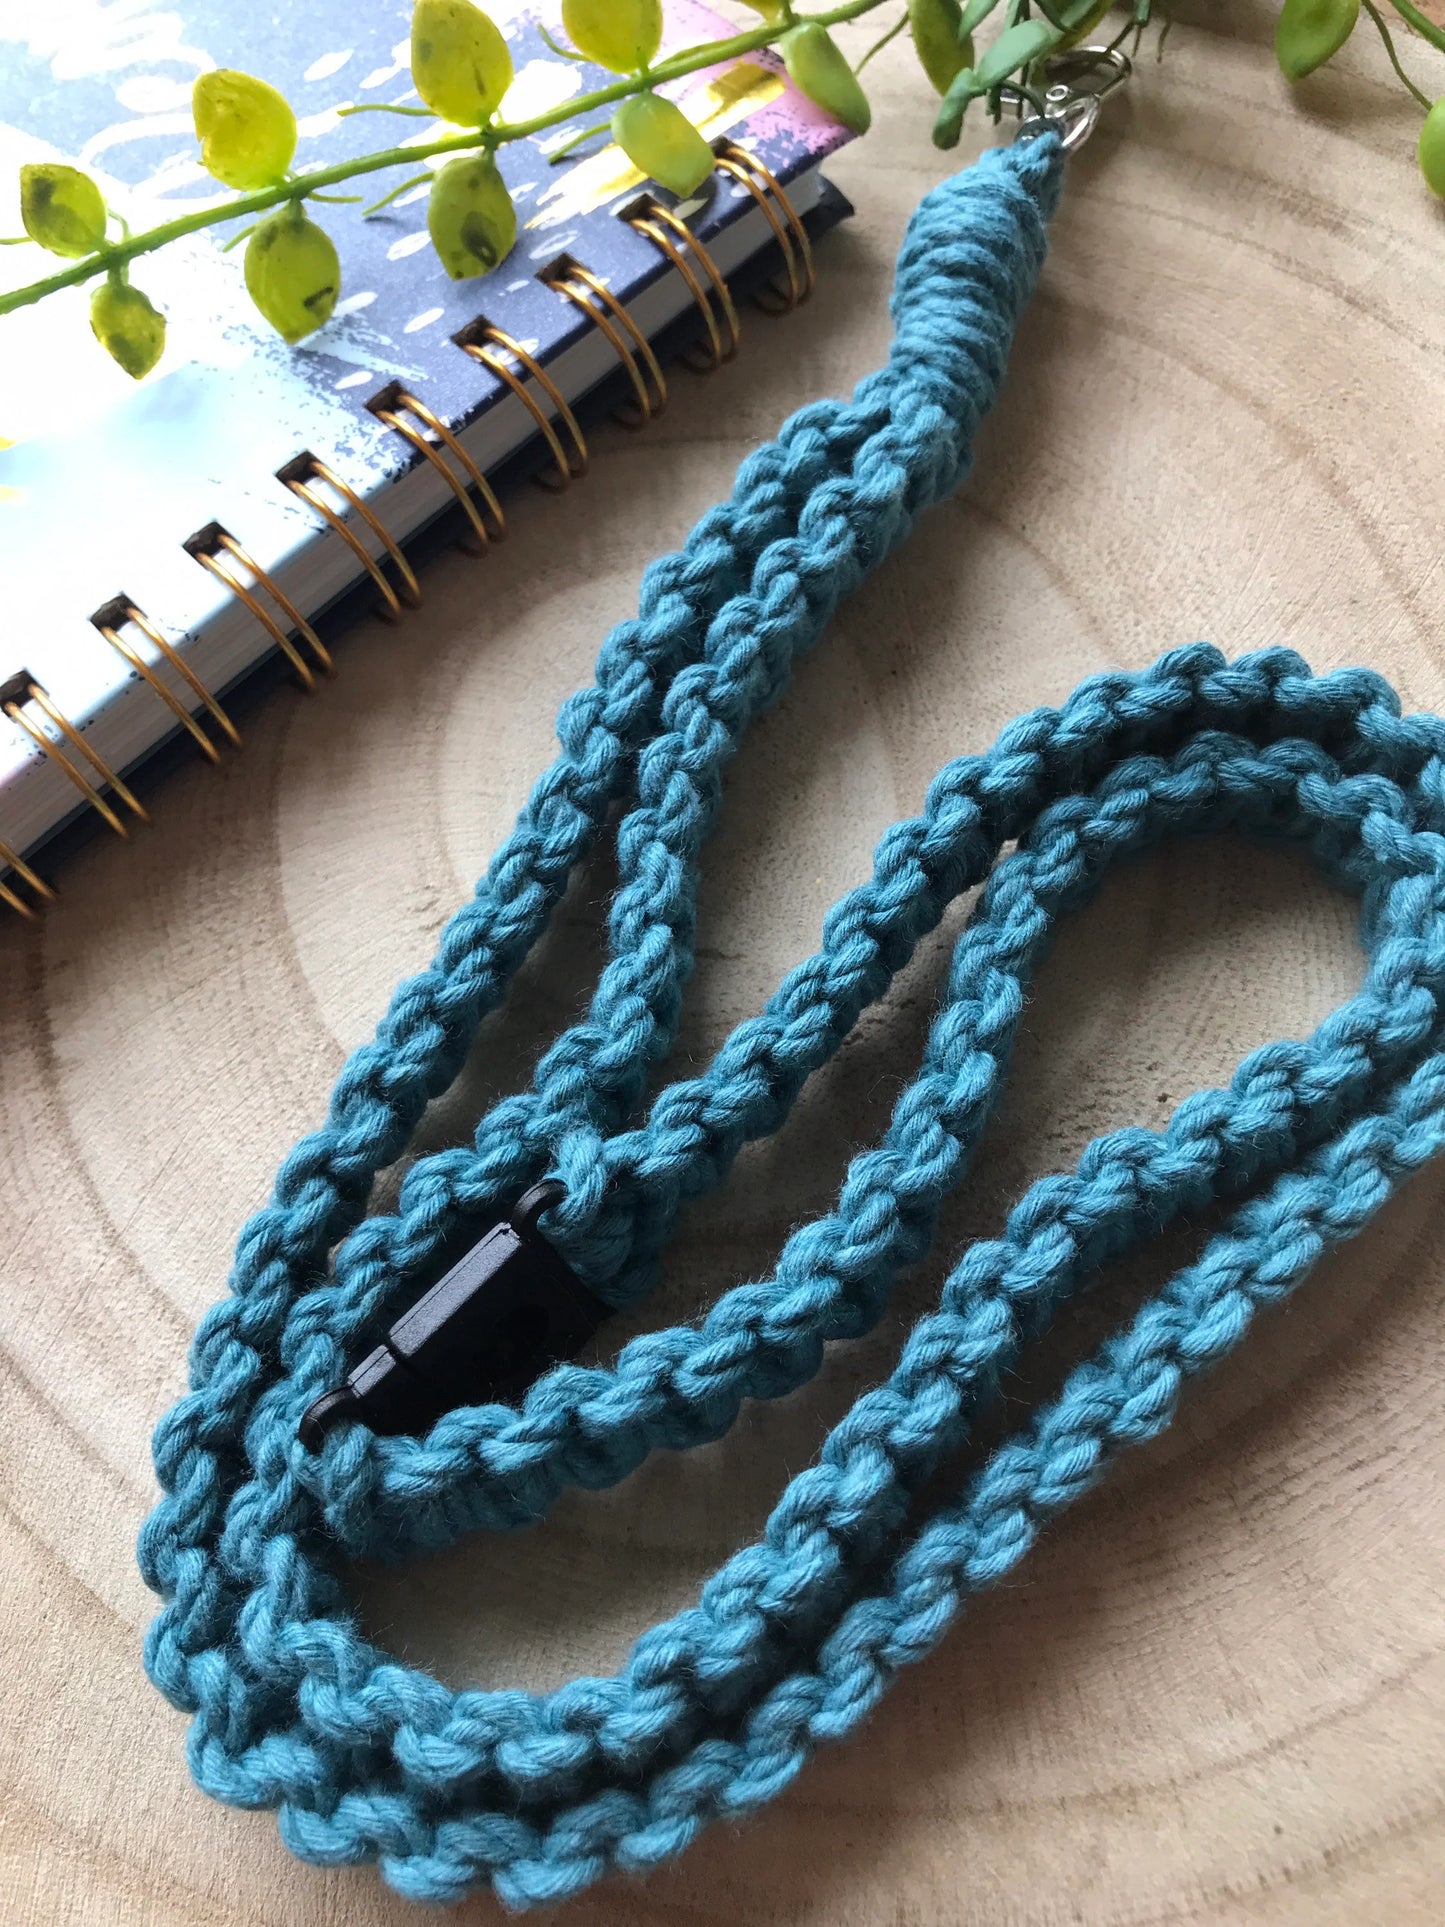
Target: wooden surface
{"x":1217,"y":1693}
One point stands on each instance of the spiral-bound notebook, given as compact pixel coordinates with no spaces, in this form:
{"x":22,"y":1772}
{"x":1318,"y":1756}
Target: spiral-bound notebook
{"x":168,"y":549}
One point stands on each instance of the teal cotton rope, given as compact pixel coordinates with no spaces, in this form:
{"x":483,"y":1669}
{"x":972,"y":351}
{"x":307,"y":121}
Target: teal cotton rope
{"x":794,"y":1640}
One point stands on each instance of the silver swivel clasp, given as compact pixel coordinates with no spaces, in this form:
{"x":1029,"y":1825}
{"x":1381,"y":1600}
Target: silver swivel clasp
{"x":1078,"y":81}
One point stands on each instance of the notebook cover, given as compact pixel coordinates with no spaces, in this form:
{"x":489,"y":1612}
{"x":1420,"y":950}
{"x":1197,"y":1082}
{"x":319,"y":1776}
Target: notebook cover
{"x":105,"y":480}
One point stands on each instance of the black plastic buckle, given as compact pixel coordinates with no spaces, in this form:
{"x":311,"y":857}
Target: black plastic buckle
{"x":508,"y":1310}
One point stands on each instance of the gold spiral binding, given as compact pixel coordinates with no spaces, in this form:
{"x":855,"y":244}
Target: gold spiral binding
{"x":25,"y":687}
{"x":577,"y":283}
{"x":203,"y":548}
{"x":109,"y":620}
{"x":297,"y":477}
{"x":745,"y":168}
{"x":387,"y":409}
{"x":645,"y":223}
{"x":568,"y":468}
{"x":23,"y":873}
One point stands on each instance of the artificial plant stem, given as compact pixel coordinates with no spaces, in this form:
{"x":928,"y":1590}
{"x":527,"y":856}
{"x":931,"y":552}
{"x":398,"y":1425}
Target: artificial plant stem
{"x":1421,"y":22}
{"x":1379,"y":19}
{"x":383,"y":107}
{"x":710,"y":54}
{"x":574,"y":141}
{"x":395,"y":193}
{"x":882,"y":41}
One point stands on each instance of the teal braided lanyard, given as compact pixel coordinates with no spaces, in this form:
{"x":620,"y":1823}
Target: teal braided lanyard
{"x":796,"y":1637}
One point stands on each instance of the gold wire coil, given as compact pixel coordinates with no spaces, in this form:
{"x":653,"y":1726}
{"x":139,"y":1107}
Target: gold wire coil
{"x":246,"y":595}
{"x":300,"y":484}
{"x":390,"y":414}
{"x":577,"y":284}
{"x":34,"y":693}
{"x":568,"y":468}
{"x":23,"y":873}
{"x":745,"y":168}
{"x":646,"y":224}
{"x":183,"y":669}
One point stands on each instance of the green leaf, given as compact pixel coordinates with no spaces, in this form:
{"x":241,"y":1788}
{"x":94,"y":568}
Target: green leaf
{"x":975,"y":12}
{"x":1080,"y":18}
{"x":293,"y":273}
{"x":657,"y":136}
{"x":1431,"y":151}
{"x":246,"y":129}
{"x":61,"y":208}
{"x":621,"y":35}
{"x":1310,"y":32}
{"x":962,"y":89}
{"x":821,"y":71}
{"x":470,"y":216}
{"x":1017,"y":46}
{"x":460,"y":62}
{"x":129,"y":328}
{"x":942,"y":52}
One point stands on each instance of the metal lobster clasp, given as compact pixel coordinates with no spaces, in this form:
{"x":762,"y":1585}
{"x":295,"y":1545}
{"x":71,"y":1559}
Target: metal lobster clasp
{"x":1078,"y":81}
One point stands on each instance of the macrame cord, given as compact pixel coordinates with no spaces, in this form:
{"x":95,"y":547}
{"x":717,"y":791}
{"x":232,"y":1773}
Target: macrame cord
{"x":796,"y":1637}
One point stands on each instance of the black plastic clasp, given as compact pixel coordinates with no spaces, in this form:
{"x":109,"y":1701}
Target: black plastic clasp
{"x":484,"y":1332}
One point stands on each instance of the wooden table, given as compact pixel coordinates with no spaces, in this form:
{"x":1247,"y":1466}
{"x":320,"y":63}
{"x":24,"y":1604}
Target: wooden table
{"x":1217,"y":1692}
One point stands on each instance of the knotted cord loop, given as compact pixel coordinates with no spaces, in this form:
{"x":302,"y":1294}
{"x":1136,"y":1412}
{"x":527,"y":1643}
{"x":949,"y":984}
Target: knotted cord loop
{"x":796,"y":1637}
